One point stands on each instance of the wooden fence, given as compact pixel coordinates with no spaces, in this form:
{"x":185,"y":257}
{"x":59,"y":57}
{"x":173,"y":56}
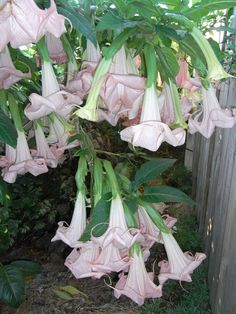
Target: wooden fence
{"x":213,"y":164}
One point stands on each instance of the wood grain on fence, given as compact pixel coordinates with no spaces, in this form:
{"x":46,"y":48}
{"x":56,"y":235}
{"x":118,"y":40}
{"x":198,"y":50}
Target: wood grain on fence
{"x":214,"y":189}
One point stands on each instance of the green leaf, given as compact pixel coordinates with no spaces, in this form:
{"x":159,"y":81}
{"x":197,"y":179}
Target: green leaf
{"x":73,"y":291}
{"x":12,"y":285}
{"x":28,"y":268}
{"x":131,"y":204}
{"x":202,"y":8}
{"x":8,"y":134}
{"x":150,"y":170}
{"x":164,"y":193}
{"x":99,"y":219}
{"x":80,"y":23}
{"x":63,"y":295}
{"x":114,"y":22}
{"x":169,"y":66}
{"x":146,"y":8}
{"x":3,"y":192}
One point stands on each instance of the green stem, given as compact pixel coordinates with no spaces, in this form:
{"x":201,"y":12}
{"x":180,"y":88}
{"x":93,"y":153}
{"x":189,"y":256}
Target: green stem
{"x":43,"y":50}
{"x":97,"y":180}
{"x":151,"y":64}
{"x":68,"y":49}
{"x":179,"y":120}
{"x":81,"y":174}
{"x":112,"y":178}
{"x":135,"y":249}
{"x":117,"y":43}
{"x":130,"y":220}
{"x":155,"y":216}
{"x":15,"y":113}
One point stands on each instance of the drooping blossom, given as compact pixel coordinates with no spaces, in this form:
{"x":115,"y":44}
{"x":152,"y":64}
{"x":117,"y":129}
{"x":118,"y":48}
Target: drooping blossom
{"x":52,"y":99}
{"x":9,"y":75}
{"x":118,"y":232}
{"x":215,"y":69}
{"x":122,"y":92}
{"x":172,"y":112}
{"x":59,"y":135}
{"x":90,"y":110}
{"x":183,"y":80}
{"x":42,"y":148}
{"x":80,"y":261}
{"x":211,"y":115}
{"x":138,"y":284}
{"x":148,"y":228}
{"x":179,"y":265}
{"x":81,"y":81}
{"x":23,"y":162}
{"x":22,"y":22}
{"x":111,"y":259}
{"x":151,"y":132}
{"x":9,"y":158}
{"x":55,"y":49}
{"x":160,"y":207}
{"x":71,"y":234}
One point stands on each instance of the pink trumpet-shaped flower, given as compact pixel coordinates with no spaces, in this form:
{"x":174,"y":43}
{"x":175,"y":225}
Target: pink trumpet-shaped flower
{"x":122,"y":92}
{"x":149,"y":230}
{"x":138,"y":284}
{"x":23,"y":162}
{"x":52,"y":99}
{"x":55,"y":49}
{"x":117,"y":232}
{"x":81,"y":82}
{"x":179,"y":265}
{"x":43,"y":150}
{"x":71,"y":234}
{"x":80,"y":261}
{"x":9,"y":75}
{"x":210,"y":116}
{"x":22,"y":22}
{"x":58,"y":137}
{"x":110,"y":259}
{"x":183,"y":79}
{"x":151,"y":132}
{"x":9,"y":158}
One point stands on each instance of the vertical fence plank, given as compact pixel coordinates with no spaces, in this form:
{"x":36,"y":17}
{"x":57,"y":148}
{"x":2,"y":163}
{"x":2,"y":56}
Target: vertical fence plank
{"x":214,"y":189}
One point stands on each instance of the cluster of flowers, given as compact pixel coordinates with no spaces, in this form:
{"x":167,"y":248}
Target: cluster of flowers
{"x":151,"y":111}
{"x":112,"y":87}
{"x":23,"y":22}
{"x":124,"y":246}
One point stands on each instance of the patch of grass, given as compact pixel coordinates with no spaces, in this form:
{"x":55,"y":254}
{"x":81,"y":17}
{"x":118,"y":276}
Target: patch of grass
{"x":184,"y":298}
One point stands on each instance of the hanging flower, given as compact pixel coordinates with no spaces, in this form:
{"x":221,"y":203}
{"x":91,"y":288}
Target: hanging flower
{"x":151,"y":132}
{"x":215,"y":69}
{"x":179,"y":265}
{"x":80,"y":261}
{"x":9,"y":158}
{"x":122,"y":92}
{"x":22,"y":22}
{"x":138,"y":284}
{"x":148,"y":228}
{"x":55,"y":48}
{"x":117,"y":232}
{"x":9,"y":75}
{"x":111,"y":259}
{"x":52,"y":99}
{"x":42,"y":148}
{"x":24,"y":162}
{"x":211,"y":115}
{"x":71,"y":234}
{"x":172,"y":112}
{"x":81,"y":81}
{"x":183,"y":80}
